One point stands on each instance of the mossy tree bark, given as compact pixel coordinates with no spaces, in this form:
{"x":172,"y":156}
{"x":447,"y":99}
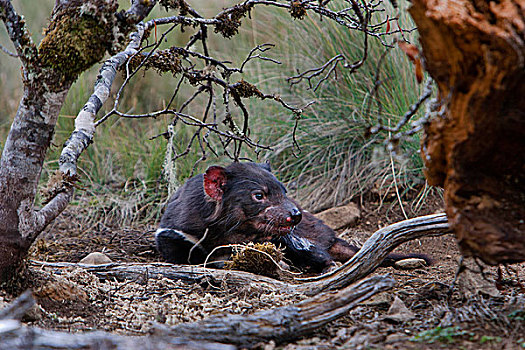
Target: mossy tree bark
{"x":78,"y":35}
{"x":475,"y":51}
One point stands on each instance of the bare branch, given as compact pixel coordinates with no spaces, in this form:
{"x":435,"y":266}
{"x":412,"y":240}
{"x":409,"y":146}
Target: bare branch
{"x":83,"y":133}
{"x":49,"y":212}
{"x":82,"y":136}
{"x":311,"y":73}
{"x":12,"y":54}
{"x":252,"y":55}
{"x":377,"y":85}
{"x":181,"y":20}
{"x":427,"y":92}
{"x":18,"y":33}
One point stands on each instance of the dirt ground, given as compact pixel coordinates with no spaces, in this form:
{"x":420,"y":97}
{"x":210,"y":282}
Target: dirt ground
{"x":481,"y":311}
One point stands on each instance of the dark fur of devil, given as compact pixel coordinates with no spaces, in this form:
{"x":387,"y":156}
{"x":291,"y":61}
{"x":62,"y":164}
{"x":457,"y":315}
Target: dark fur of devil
{"x":242,"y":203}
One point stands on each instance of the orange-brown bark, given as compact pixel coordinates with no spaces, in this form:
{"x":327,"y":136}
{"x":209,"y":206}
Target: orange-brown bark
{"x":475,"y":51}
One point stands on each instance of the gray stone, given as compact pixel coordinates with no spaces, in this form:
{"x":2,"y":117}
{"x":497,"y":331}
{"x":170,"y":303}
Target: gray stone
{"x":410,"y":264}
{"x":96,"y":258}
{"x":398,"y":312}
{"x":340,"y":217}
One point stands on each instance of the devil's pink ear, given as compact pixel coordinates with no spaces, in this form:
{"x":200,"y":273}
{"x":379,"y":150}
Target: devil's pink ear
{"x":214,"y":181}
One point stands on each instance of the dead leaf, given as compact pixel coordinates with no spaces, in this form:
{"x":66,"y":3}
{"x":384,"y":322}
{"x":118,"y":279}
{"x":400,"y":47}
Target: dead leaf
{"x":413,"y":55}
{"x":419,"y":71}
{"x":472,"y":283}
{"x":398,"y":312}
{"x":409,"y":49}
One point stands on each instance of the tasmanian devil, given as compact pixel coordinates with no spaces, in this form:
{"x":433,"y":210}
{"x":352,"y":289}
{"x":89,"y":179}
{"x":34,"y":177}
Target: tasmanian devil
{"x":241,"y":203}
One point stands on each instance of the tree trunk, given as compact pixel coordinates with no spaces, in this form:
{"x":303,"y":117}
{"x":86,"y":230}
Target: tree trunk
{"x":475,"y":51}
{"x":20,"y":168}
{"x":77,"y":36}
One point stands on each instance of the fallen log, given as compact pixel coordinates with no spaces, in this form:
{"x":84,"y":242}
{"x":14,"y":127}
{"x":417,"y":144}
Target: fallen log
{"x":14,"y":336}
{"x":141,"y":272}
{"x":366,"y":260}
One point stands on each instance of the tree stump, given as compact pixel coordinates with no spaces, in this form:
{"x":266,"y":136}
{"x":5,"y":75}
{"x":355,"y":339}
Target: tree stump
{"x":475,"y":149}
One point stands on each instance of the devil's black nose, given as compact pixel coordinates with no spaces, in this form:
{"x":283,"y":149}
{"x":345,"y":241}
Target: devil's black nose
{"x":295,"y":216}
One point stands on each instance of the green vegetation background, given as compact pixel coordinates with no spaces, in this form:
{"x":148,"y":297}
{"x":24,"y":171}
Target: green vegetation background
{"x":122,"y":172}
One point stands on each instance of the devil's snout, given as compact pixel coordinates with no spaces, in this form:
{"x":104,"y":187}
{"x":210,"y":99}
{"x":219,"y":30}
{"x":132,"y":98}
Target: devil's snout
{"x":294,"y":216}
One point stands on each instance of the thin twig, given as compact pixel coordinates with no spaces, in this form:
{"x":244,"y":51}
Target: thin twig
{"x":12,"y":54}
{"x":427,"y":92}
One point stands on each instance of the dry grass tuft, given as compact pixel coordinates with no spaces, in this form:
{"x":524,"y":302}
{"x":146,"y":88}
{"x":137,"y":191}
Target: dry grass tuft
{"x":259,"y":258}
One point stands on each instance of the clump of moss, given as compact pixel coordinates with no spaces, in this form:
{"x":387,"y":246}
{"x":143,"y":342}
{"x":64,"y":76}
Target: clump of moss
{"x":259,"y":258}
{"x":246,"y":90}
{"x":161,"y":61}
{"x":297,"y":10}
{"x":77,"y":37}
{"x":230,"y":20}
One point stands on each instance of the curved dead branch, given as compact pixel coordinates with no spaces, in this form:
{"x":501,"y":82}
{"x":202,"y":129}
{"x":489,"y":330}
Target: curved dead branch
{"x":375,"y":250}
{"x":16,"y":336}
{"x":284,"y":323}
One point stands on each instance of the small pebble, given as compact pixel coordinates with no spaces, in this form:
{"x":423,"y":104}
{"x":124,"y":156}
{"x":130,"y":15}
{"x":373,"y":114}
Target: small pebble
{"x":96,"y":258}
{"x":410,"y":264}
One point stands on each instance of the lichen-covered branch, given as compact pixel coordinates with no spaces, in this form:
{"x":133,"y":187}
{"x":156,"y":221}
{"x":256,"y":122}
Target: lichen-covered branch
{"x":49,"y":212}
{"x":82,"y":136}
{"x":18,"y":33}
{"x":78,"y":34}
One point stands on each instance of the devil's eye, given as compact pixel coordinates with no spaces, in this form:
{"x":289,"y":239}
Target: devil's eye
{"x":258,"y":196}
